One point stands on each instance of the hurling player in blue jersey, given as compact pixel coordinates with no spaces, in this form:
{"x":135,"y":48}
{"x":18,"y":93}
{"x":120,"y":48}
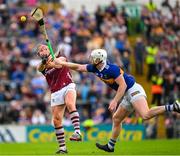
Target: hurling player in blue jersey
{"x":130,"y":94}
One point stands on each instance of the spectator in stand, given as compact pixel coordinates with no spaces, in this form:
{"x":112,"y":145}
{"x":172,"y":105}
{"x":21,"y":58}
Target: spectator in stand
{"x":38,"y":117}
{"x":156,"y":89}
{"x":139,"y":55}
{"x":152,"y":51}
{"x":112,"y":9}
{"x":65,"y":47}
{"x":99,"y":15}
{"x":169,"y":85}
{"x":126,"y":61}
{"x":151,"y":6}
{"x":121,"y":43}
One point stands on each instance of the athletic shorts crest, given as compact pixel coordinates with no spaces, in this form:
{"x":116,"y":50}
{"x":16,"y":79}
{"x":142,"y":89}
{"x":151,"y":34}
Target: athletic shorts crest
{"x":134,"y":93}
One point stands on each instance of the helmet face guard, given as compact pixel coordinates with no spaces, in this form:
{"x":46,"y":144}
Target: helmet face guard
{"x":98,"y":56}
{"x":95,"y":61}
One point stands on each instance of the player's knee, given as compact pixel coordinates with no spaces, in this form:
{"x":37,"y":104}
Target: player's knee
{"x":57,"y":121}
{"x":116,"y":120}
{"x":71,"y":107}
{"x":70,"y":100}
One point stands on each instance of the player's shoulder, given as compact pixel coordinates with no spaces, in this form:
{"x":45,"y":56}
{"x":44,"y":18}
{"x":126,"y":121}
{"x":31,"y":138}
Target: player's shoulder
{"x":61,"y":56}
{"x":113,"y":70}
{"x":112,"y":66}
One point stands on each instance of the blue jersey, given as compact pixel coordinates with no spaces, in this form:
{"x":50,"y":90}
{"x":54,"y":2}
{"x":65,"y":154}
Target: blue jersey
{"x":110,"y":73}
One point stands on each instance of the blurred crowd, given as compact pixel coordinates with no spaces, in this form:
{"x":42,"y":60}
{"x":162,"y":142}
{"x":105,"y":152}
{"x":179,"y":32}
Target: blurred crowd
{"x":24,"y":94}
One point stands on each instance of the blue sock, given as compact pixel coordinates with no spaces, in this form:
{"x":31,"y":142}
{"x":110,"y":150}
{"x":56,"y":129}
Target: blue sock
{"x":169,"y":108}
{"x":111,"y":143}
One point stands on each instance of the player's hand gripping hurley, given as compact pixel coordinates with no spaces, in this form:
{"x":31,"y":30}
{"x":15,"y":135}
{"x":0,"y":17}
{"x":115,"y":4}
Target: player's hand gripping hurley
{"x":37,"y":14}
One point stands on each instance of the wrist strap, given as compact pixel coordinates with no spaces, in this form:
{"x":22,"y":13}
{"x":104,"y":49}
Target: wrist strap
{"x":41,"y":22}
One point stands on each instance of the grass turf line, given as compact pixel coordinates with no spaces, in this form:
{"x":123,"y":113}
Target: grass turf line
{"x":147,"y":147}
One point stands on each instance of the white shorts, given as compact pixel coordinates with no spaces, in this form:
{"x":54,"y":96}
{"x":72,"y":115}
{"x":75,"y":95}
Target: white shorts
{"x":57,"y":98}
{"x":134,"y":93}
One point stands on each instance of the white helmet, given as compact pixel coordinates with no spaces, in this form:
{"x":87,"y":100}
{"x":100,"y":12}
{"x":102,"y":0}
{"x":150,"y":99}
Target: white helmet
{"x":98,"y":55}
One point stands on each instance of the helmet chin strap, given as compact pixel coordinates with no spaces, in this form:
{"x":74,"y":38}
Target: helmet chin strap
{"x":102,"y":66}
{"x":98,"y":63}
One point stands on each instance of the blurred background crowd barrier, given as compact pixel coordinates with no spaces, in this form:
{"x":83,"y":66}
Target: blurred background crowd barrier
{"x":143,"y":37}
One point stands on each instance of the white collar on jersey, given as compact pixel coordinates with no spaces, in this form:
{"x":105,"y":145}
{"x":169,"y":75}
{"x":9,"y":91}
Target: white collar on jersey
{"x":104,"y":65}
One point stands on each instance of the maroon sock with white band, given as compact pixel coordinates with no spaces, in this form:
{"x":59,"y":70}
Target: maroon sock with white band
{"x":74,"y":115}
{"x":60,"y":138}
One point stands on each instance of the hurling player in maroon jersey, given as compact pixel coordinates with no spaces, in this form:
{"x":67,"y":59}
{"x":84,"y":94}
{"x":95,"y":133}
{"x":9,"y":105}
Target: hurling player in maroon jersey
{"x":63,"y":94}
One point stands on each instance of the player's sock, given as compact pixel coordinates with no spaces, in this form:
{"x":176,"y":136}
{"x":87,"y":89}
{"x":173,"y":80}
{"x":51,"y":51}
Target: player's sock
{"x":111,"y":143}
{"x":173,"y":107}
{"x":74,"y":115}
{"x":169,"y":108}
{"x":60,"y":138}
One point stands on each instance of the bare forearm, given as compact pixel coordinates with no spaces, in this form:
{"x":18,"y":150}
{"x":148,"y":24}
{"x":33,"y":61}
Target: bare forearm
{"x":73,"y":66}
{"x":119,"y":94}
{"x":53,"y":65}
{"x":70,"y":65}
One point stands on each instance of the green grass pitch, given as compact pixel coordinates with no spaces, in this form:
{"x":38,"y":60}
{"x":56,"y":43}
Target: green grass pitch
{"x":148,"y":147}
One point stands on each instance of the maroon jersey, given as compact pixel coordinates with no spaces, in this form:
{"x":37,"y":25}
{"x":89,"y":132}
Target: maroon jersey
{"x":57,"y":78}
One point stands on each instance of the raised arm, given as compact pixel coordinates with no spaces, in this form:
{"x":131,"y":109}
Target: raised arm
{"x":73,"y":66}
